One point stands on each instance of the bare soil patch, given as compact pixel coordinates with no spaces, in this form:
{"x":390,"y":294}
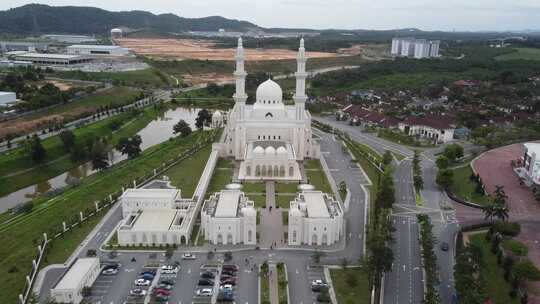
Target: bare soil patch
{"x":182,"y":49}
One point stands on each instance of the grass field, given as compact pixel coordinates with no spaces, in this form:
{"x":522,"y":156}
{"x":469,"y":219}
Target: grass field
{"x":521,"y":54}
{"x":58,"y":160}
{"x":222,"y":176}
{"x":142,"y":78}
{"x":351,"y":286}
{"x":18,"y":238}
{"x":496,"y":287}
{"x":265,"y":289}
{"x":316,"y":176}
{"x":282,"y":283}
{"x":464,"y":188}
{"x":182,"y":175}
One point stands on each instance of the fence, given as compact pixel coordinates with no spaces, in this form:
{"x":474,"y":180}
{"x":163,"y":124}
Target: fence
{"x":99,"y":206}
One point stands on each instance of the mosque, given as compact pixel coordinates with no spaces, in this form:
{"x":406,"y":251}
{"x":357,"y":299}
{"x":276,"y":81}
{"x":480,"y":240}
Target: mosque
{"x":269,"y":138}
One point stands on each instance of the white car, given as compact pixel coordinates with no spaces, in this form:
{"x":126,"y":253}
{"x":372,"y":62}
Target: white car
{"x":110,"y":271}
{"x":168,"y":269}
{"x":142,"y":282}
{"x":138,"y":292}
{"x":318,"y":283}
{"x":188,"y":256}
{"x":205,"y":292}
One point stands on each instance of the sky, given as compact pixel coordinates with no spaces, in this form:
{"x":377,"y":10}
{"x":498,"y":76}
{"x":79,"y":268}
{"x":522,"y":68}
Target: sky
{"x":446,"y":15}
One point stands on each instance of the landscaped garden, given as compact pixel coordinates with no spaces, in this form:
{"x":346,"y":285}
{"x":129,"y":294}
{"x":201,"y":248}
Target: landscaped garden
{"x":351,"y":286}
{"x":466,"y":188}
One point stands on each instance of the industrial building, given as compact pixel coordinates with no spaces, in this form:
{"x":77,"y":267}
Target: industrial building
{"x":52,"y":59}
{"x":70,"y":38}
{"x":415,"y":48}
{"x":81,"y":274}
{"x":7,"y":98}
{"x":103,"y":50}
{"x":7,"y":46}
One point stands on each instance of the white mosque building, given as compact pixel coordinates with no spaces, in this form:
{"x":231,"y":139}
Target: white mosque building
{"x":269,"y":138}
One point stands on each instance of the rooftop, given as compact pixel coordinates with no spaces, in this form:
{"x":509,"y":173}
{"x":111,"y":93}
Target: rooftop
{"x":50,"y":56}
{"x":533,"y":148}
{"x":227,"y":205}
{"x":75,"y":274}
{"x":93,"y":46}
{"x":158,"y":194}
{"x":154,"y":220}
{"x":316,"y":206}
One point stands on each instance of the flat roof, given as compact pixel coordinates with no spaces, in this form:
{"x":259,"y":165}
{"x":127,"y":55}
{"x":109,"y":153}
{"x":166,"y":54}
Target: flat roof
{"x":94,"y":46}
{"x":533,"y":147}
{"x":154,"y":220}
{"x":159,"y":194}
{"x":227,"y":205}
{"x":7,"y":93}
{"x":75,"y":274}
{"x":316,"y":206}
{"x":49,"y":56}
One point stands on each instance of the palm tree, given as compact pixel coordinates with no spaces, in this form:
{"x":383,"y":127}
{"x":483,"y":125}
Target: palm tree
{"x":489,"y":212}
{"x":501,"y":212}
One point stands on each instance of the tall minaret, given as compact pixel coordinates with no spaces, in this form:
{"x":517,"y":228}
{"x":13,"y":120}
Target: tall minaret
{"x":240,"y":74}
{"x":301,"y":75}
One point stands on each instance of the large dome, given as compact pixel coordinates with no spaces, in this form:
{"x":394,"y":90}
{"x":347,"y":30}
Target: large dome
{"x":268,"y":92}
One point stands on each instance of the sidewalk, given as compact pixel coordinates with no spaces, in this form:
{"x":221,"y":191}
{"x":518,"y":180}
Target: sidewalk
{"x":273,"y":284}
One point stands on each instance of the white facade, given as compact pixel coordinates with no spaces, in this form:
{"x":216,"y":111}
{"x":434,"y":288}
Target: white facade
{"x":81,"y":274}
{"x":439,"y":135}
{"x":228,"y":217}
{"x":271,"y":125}
{"x":218,"y":119}
{"x":421,"y":49}
{"x":106,"y":50}
{"x":134,"y":200}
{"x":7,"y":98}
{"x":117,"y":33}
{"x":531,"y":162}
{"x":417,"y":48}
{"x":315,"y":219}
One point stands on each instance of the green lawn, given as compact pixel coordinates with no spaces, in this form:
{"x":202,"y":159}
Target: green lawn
{"x":286,"y":187}
{"x":464,"y":188}
{"x":141,"y":78}
{"x":282,"y":284}
{"x":317,"y":177}
{"x":258,"y":200}
{"x":283,"y":201}
{"x":222,"y":176}
{"x":254,"y":187}
{"x":18,"y":237}
{"x":496,"y":287}
{"x":521,"y":53}
{"x":265,"y":289}
{"x":285,"y":217}
{"x":17,"y":160}
{"x":351,"y":286}
{"x":183,"y":174}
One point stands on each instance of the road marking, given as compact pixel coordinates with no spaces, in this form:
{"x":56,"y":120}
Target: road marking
{"x":129,"y":270}
{"x":189,"y":270}
{"x":404,"y":267}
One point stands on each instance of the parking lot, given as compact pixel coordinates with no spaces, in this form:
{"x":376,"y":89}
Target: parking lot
{"x":313,"y":274}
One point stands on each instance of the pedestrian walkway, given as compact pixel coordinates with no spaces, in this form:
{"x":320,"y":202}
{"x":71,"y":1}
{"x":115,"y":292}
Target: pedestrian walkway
{"x":271,"y":220}
{"x":273,"y":284}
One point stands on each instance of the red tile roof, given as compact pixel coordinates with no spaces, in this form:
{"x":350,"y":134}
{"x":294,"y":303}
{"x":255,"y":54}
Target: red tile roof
{"x":434,"y":121}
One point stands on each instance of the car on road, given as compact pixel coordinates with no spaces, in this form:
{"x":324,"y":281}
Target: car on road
{"x":207,"y":275}
{"x":206,"y":282}
{"x":444,"y":246}
{"x":142,"y":282}
{"x":188,"y":256}
{"x":110,"y":271}
{"x":204,"y":292}
{"x":169,"y":269}
{"x":137,"y":292}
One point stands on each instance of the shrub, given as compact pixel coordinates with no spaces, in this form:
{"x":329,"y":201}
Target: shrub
{"x":516,"y":247}
{"x":507,"y":228}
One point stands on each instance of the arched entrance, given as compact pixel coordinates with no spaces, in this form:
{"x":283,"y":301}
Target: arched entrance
{"x":229,"y":239}
{"x":219,"y":239}
{"x":183,"y":240}
{"x":250,"y":236}
{"x":314,"y":239}
{"x":325,"y":239}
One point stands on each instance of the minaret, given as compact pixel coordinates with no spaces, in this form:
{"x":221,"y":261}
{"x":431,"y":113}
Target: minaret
{"x":240,"y":74}
{"x":301,"y":75}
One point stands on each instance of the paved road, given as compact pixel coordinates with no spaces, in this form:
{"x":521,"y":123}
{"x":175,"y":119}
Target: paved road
{"x":116,"y":289}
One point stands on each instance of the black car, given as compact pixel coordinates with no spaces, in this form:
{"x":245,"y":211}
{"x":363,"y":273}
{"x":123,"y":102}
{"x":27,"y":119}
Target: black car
{"x":229,"y":267}
{"x":206,"y":282}
{"x":444,"y":246}
{"x":228,"y":272}
{"x":208,"y":275}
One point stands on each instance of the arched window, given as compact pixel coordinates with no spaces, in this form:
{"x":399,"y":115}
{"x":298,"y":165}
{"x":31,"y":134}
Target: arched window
{"x":249,"y":235}
{"x":248,"y":170}
{"x":291,"y":171}
{"x":269,"y":115}
{"x":294,"y":236}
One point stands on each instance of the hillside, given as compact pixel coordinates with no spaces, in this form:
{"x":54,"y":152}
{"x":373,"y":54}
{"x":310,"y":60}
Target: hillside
{"x":39,"y":19}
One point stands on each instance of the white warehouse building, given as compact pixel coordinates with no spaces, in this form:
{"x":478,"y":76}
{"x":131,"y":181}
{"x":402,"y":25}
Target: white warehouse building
{"x":99,"y":50}
{"x":7,"y":98}
{"x":315,"y":219}
{"x":228,"y":217}
{"x":81,"y":274}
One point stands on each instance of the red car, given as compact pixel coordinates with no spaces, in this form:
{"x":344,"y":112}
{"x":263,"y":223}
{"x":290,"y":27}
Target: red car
{"x":229,"y":267}
{"x":230,"y":281}
{"x":161,"y":291}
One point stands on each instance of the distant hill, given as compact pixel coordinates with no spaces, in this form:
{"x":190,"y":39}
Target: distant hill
{"x":40,"y":19}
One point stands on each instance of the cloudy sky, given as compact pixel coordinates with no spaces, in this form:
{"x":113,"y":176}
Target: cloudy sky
{"x":344,"y":14}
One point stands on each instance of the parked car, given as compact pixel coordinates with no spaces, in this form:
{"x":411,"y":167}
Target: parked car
{"x":227,"y":272}
{"x":147,"y":276}
{"x":444,"y":246}
{"x":230,"y":267}
{"x":162,"y":298}
{"x":142,"y":282}
{"x":165,"y":286}
{"x":162,"y":291}
{"x":110,"y":271}
{"x":152,"y":272}
{"x":230,"y":281}
{"x":204,"y":292}
{"x":208,"y":275}
{"x":168,"y":269}
{"x":226,"y":287}
{"x":137,"y":292}
{"x":188,"y":256}
{"x":167,"y":282}
{"x":206,"y":282}
{"x":111,"y":266}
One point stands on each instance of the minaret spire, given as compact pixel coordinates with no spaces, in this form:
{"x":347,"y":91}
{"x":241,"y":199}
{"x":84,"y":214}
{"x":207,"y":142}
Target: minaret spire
{"x":301,"y":75}
{"x":240,"y":74}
